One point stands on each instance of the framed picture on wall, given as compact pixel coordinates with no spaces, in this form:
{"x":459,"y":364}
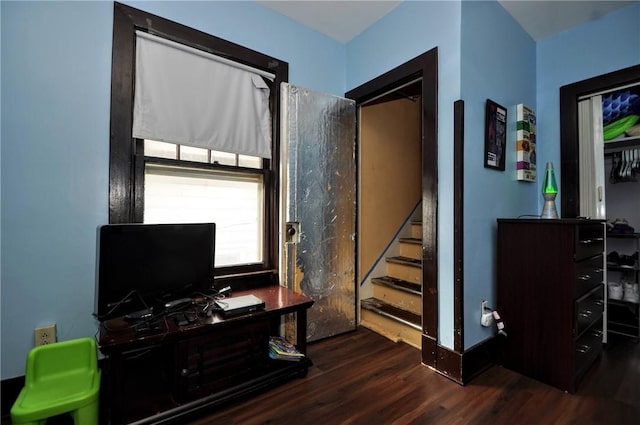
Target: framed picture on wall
{"x":495,"y":136}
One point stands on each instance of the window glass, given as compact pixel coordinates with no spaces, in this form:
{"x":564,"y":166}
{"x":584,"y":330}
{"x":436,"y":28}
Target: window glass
{"x":234,"y":201}
{"x":160,"y":149}
{"x":223,"y":158}
{"x":187,"y":153}
{"x":249,"y":161}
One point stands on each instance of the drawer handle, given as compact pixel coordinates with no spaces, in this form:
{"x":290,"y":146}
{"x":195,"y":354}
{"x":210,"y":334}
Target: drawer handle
{"x":586,"y":241}
{"x":586,"y":313}
{"x":583,"y":349}
{"x":600,"y":270}
{"x":598,"y":239}
{"x":597,"y":333}
{"x":599,"y":303}
{"x":584,"y":277}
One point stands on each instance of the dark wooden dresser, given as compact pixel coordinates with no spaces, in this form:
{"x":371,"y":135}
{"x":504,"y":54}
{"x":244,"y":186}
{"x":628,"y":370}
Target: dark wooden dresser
{"x":551,"y":297}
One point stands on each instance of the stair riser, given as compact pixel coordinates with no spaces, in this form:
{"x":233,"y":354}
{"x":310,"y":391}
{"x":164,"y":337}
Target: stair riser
{"x":416,"y":231}
{"x":411,"y":250}
{"x":398,"y":298}
{"x":404,"y":272}
{"x":391,"y":329}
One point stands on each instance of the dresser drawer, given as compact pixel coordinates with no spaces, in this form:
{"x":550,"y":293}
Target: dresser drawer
{"x":589,"y":274}
{"x":587,"y":348}
{"x":588,"y":309}
{"x":589,"y":241}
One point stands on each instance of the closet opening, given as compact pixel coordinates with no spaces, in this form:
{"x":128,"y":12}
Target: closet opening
{"x":570,"y":96}
{"x":600,"y":159}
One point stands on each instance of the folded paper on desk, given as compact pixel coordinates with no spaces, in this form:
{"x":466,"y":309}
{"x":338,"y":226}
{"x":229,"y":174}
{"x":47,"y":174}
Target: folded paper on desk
{"x":239,"y":305}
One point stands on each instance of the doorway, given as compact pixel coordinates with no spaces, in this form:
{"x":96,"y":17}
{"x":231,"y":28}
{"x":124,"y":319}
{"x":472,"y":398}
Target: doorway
{"x":389,"y":215}
{"x":414,"y":82}
{"x":569,"y":151}
{"x":592,"y":183}
{"x":389,"y":151}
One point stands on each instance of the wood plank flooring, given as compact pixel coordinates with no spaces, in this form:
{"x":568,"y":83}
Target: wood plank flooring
{"x":362,"y":378}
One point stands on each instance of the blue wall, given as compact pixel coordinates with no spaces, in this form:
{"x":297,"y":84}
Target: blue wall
{"x":484,"y":53}
{"x":56,"y":81}
{"x":55,"y":75}
{"x":501,"y":62}
{"x":56,"y":66}
{"x":498,"y":63}
{"x":604,"y":45}
{"x":411,"y":29}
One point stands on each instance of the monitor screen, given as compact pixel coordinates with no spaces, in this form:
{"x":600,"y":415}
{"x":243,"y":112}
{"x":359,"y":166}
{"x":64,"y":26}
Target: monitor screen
{"x":143,"y":265}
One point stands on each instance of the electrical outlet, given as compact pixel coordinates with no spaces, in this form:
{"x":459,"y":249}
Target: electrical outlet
{"x":45,"y":335}
{"x":486,"y":315}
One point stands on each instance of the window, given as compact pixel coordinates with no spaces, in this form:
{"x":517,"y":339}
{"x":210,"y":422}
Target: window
{"x":232,"y":197}
{"x":153,"y":181}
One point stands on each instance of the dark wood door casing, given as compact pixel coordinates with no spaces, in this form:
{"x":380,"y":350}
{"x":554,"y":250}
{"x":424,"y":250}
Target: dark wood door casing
{"x":424,"y":66}
{"x":569,"y":160}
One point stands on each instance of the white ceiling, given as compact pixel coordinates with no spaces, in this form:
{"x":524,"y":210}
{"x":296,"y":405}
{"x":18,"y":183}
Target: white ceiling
{"x":340,"y":20}
{"x":543,"y":19}
{"x":343,"y":20}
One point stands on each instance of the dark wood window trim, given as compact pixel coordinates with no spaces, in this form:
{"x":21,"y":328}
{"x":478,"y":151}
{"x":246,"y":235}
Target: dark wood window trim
{"x":125,"y":176}
{"x":570,"y":165}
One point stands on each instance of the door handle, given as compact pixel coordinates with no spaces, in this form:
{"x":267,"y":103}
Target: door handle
{"x":292,"y":232}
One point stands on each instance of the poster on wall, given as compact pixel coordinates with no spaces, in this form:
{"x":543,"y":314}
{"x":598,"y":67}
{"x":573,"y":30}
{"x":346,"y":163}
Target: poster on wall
{"x":495,"y":138}
{"x":526,"y":149}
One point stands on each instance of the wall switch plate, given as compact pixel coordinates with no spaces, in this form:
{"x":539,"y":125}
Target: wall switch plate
{"x":45,"y":335}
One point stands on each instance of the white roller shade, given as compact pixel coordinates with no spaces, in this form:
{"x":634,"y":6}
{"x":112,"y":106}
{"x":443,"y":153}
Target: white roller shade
{"x":189,"y":97}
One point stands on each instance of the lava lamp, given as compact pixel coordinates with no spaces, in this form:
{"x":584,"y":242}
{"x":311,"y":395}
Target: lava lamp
{"x":549,"y":193}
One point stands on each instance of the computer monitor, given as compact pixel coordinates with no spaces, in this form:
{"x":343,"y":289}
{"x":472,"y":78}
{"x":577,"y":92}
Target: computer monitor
{"x":140,"y":266}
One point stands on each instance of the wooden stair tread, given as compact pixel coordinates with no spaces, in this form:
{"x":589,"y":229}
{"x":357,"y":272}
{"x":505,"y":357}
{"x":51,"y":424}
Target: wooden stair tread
{"x":414,"y":241}
{"x":413,"y":262}
{"x":399,"y":284}
{"x":394,"y":313}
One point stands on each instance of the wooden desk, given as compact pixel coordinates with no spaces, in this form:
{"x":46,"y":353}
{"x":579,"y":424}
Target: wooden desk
{"x":175,"y":371}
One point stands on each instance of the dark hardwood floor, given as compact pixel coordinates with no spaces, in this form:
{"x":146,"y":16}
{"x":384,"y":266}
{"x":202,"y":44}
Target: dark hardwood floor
{"x":362,"y":378}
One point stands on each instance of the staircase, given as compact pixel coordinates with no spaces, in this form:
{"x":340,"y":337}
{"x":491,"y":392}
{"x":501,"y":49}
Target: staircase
{"x":395,"y":310}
